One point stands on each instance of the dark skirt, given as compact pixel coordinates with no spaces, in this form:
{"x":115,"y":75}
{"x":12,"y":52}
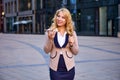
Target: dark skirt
{"x":62,"y":73}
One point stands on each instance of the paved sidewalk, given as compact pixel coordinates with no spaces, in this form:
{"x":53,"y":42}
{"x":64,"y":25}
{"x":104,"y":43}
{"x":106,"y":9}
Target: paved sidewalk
{"x":22,"y":58}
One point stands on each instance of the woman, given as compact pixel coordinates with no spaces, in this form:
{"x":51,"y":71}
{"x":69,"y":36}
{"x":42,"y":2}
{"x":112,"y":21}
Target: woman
{"x":62,"y":44}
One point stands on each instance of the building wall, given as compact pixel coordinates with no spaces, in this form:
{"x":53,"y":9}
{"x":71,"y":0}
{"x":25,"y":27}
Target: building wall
{"x":16,"y":13}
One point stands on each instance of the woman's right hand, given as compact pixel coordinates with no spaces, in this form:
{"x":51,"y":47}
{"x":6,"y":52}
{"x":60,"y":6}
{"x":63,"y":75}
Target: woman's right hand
{"x":51,"y":34}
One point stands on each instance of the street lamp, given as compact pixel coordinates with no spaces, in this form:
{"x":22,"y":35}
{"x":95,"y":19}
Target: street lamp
{"x":3,"y":13}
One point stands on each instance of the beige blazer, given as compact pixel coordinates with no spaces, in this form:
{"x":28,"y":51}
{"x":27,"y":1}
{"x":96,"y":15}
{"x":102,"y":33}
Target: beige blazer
{"x":68,"y":53}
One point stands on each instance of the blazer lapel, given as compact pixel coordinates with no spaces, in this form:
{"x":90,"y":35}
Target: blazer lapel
{"x":56,"y":41}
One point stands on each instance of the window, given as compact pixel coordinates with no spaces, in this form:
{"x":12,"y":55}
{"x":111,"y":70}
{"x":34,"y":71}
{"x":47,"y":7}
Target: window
{"x":25,"y":5}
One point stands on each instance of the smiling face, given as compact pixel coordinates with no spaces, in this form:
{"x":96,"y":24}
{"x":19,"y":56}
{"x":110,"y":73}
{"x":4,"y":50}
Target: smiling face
{"x":63,"y":18}
{"x":60,"y":19}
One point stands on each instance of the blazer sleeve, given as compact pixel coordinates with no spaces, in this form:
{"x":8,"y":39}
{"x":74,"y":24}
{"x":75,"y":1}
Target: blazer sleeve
{"x":75,"y":47}
{"x":48,"y":44}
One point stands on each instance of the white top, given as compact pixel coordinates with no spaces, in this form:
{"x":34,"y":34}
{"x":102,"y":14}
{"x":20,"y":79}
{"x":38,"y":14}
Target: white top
{"x":61,"y":39}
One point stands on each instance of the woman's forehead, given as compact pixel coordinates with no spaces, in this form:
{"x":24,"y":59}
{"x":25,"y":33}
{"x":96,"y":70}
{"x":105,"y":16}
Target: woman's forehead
{"x":61,"y":13}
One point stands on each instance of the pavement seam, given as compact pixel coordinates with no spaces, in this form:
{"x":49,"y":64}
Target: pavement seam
{"x":104,"y":50}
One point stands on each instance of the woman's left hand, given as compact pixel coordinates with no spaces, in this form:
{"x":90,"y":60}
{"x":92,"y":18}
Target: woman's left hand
{"x":71,"y":40}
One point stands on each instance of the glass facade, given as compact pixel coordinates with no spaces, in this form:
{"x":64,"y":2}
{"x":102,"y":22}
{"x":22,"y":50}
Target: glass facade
{"x":10,"y":9}
{"x":9,"y":21}
{"x":87,"y":20}
{"x":97,"y":17}
{"x":50,"y":7}
{"x":26,"y":26}
{"x":40,"y":16}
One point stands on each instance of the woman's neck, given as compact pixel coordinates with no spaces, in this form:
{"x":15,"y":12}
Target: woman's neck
{"x":62,"y":30}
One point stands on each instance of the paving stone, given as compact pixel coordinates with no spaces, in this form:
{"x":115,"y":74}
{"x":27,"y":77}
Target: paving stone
{"x":22,"y":58}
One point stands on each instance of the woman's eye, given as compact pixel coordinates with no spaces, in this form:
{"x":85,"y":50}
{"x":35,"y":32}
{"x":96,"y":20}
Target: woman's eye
{"x":63,"y":17}
{"x":58,"y":16}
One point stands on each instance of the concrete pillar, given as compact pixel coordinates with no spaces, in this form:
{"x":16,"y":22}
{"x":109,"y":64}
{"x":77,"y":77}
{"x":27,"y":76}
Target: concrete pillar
{"x":17,"y":25}
{"x":33,"y":23}
{"x":33,"y":17}
{"x":4,"y":17}
{"x":5,"y":27}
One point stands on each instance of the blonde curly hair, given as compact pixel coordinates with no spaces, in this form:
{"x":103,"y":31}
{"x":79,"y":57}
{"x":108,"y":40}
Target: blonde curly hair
{"x":69,"y":22}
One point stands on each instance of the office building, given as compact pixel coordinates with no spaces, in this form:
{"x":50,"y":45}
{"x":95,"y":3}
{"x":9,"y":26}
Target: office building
{"x":90,"y":17}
